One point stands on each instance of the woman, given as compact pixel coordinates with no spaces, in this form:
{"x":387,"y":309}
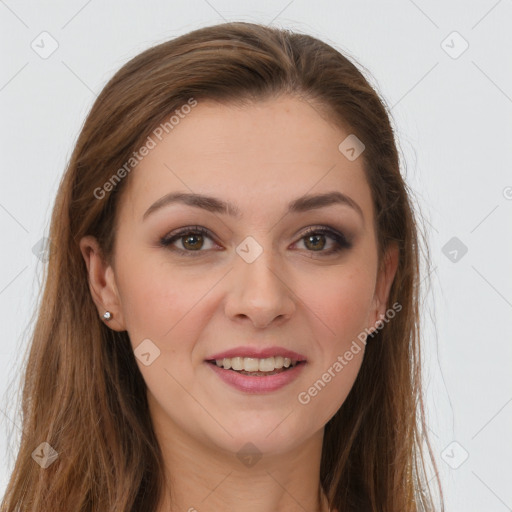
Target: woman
{"x":230,"y":314}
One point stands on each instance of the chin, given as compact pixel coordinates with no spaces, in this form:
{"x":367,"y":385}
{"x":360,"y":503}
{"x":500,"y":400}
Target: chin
{"x":270,"y":433}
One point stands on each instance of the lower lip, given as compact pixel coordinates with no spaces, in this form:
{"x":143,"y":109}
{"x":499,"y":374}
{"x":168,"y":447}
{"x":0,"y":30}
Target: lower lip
{"x":252,"y":384}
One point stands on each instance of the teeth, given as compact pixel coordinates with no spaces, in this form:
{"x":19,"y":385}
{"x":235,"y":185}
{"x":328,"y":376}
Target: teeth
{"x":237,"y":363}
{"x":267,"y":364}
{"x":252,"y":364}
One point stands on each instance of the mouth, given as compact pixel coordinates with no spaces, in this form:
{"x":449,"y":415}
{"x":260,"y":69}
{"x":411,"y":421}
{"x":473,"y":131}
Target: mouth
{"x":259,"y":370}
{"x":257,"y":367}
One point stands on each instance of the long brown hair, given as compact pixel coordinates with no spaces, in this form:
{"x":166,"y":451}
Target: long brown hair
{"x":83,"y":393}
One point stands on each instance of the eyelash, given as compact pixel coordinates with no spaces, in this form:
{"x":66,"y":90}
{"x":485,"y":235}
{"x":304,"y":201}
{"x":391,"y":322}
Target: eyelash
{"x":341,"y":243}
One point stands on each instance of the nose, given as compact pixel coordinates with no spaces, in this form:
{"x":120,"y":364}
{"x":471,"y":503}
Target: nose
{"x":259,"y":293}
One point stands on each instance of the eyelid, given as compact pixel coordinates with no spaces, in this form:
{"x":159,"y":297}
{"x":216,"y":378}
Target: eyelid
{"x":342,"y":242}
{"x":327,"y":230}
{"x":181,"y":232}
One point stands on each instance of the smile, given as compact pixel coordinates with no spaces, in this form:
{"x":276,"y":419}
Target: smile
{"x":257,"y":381}
{"x":256,"y":366}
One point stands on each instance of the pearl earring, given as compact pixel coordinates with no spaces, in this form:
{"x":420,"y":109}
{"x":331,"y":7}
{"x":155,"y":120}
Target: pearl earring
{"x":107,"y":315}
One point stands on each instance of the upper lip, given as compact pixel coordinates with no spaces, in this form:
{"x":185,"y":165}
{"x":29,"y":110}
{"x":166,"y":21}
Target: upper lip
{"x":258,"y":353}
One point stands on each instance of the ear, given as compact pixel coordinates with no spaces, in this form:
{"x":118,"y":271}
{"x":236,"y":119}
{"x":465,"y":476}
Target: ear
{"x":385,"y":277}
{"x":102,"y":283}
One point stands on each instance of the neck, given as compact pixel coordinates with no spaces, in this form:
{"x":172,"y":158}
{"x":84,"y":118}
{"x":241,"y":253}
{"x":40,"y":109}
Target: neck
{"x":200,"y":477}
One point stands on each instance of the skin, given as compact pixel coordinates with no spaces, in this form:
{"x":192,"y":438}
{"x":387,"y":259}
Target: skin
{"x":258,"y":157}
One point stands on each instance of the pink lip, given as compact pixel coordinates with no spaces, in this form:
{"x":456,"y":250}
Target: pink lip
{"x":251,"y":384}
{"x":258,"y":353}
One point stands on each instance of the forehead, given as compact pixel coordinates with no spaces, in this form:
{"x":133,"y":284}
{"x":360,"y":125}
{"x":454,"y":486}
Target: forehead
{"x":259,"y":154}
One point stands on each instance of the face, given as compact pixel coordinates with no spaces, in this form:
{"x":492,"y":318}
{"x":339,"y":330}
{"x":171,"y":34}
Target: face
{"x":276,"y":277}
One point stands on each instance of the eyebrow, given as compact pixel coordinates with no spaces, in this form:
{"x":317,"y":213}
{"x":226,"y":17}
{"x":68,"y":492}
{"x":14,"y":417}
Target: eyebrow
{"x":215,"y":205}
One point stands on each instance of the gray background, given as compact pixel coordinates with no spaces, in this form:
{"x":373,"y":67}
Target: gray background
{"x":452,"y":110}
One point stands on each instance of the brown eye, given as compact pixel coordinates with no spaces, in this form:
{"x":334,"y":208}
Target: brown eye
{"x":192,"y":241}
{"x":315,"y":241}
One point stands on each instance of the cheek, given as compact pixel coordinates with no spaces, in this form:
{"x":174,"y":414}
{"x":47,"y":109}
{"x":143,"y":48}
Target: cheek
{"x":162,"y":306}
{"x":343,"y":304}
{"x":157,"y":300}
